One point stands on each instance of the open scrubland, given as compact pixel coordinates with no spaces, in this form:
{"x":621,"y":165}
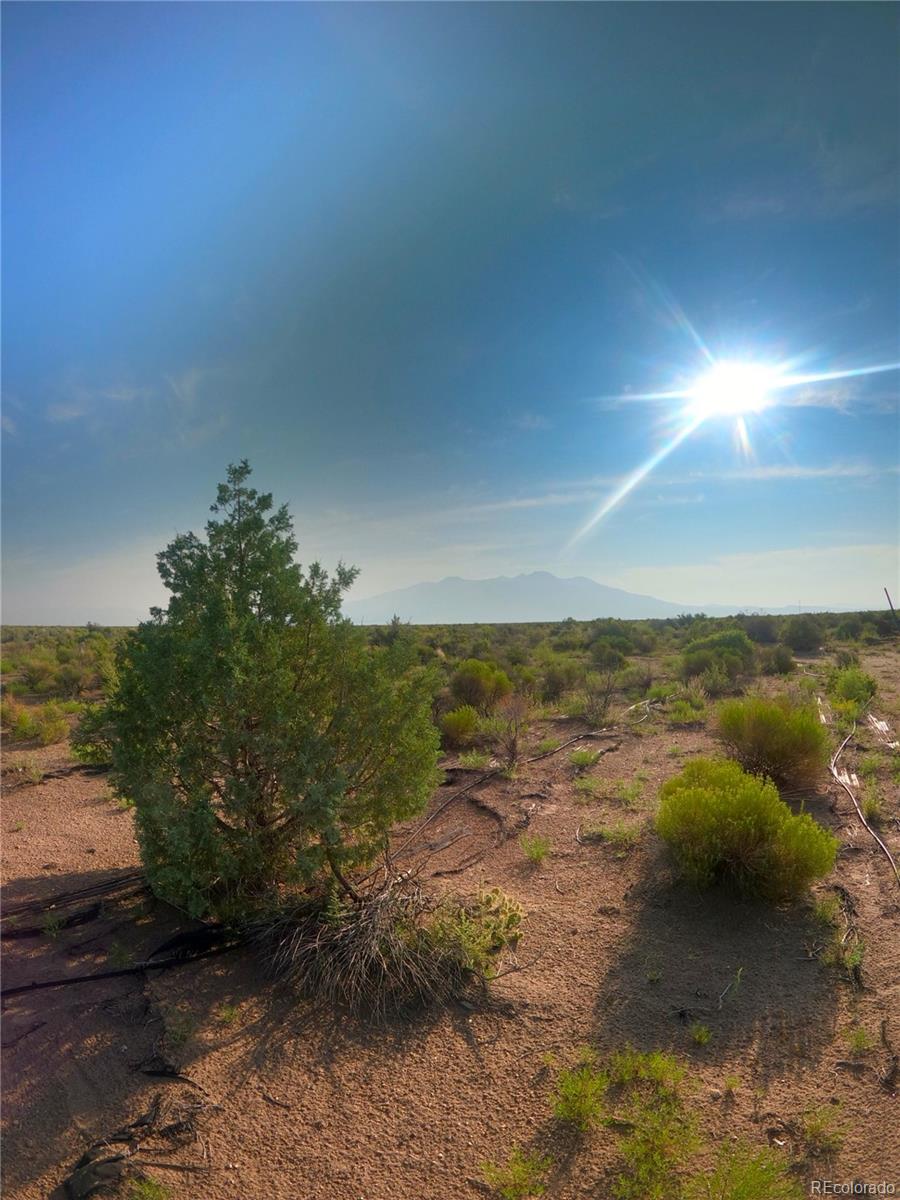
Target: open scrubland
{"x":689,"y":986}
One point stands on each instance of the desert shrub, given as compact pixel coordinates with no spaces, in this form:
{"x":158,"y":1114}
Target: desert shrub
{"x":778,"y":738}
{"x":520,"y":1177}
{"x":507,"y":727}
{"x":845,"y":657}
{"x":689,"y":706}
{"x":605,"y":656}
{"x":635,"y":681}
{"x":803,"y":634}
{"x":744,"y":1172}
{"x":459,"y":726}
{"x":479,"y":684}
{"x":762,"y":629}
{"x":594,"y":698}
{"x":559,"y":676}
{"x":716,"y":681}
{"x":853,"y":684}
{"x":50,"y":723}
{"x":91,"y":739}
{"x":731,"y":651}
{"x":393,"y":950}
{"x":777,"y":660}
{"x":264,"y":743}
{"x":18,"y":720}
{"x":723,"y":824}
{"x":578,"y":1094}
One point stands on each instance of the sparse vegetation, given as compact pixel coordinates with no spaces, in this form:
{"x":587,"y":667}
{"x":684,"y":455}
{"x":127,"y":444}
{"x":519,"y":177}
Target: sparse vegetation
{"x":745,"y":1172}
{"x":146,"y":1188}
{"x":821,"y":1136}
{"x":700,"y":1034}
{"x":535,"y":848}
{"x":723,"y":824}
{"x":520,"y":1177}
{"x":578,"y":1096}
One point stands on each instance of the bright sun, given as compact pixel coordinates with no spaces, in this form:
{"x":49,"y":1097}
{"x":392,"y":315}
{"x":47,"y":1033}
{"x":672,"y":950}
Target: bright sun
{"x":730,"y":389}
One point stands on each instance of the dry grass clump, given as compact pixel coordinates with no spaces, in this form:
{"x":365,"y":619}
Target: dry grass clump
{"x":397,"y":948}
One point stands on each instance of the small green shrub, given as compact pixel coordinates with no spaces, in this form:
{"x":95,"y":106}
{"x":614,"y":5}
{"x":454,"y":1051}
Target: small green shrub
{"x":723,"y":824}
{"x":777,"y":660}
{"x":778,"y":738}
{"x":578,"y":1096}
{"x":51,"y":723}
{"x":854,"y":684}
{"x":535,"y":848}
{"x":146,"y":1188}
{"x":685,"y":712}
{"x":700,"y":1034}
{"x":475,"y":759}
{"x":521,"y":1176}
{"x":582,"y":760}
{"x":622,"y":837}
{"x":547,"y":746}
{"x":746,"y":1173}
{"x":820,"y":1136}
{"x":459,"y":727}
{"x":803,"y":634}
{"x":730,"y":651}
{"x":91,"y":738}
{"x":859,"y":1040}
{"x":480,"y":684}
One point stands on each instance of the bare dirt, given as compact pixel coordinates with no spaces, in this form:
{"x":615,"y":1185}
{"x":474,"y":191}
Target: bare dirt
{"x":299,"y":1104}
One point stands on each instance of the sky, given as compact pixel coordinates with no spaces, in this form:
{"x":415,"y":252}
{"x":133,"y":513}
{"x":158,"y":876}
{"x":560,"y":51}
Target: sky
{"x":416,"y":262}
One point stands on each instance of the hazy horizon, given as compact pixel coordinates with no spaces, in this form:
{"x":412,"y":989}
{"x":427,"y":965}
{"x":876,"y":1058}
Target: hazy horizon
{"x":447,"y":275}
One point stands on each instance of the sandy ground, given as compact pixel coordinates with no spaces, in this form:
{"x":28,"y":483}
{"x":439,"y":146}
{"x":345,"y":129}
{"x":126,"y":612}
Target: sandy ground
{"x":301,"y":1105}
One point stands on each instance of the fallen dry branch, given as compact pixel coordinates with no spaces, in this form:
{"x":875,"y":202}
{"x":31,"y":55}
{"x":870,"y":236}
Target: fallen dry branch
{"x":844,"y":780}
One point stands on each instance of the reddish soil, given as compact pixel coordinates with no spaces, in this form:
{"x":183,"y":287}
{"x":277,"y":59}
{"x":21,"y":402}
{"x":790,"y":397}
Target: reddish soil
{"x":314,"y":1107}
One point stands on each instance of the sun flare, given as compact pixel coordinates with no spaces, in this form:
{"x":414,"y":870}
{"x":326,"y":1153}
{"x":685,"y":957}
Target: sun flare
{"x":731,"y":389}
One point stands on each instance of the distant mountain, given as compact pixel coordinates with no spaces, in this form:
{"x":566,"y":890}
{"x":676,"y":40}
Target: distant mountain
{"x":539,"y":596}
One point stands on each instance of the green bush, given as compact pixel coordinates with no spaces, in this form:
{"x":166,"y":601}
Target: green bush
{"x":264,"y":744}
{"x":778,"y":738}
{"x":723,"y":824}
{"x":852,"y":683}
{"x":459,"y":726}
{"x":91,"y":739}
{"x":803,"y":634}
{"x":51,"y":723}
{"x":777,"y":660}
{"x":762,"y":629}
{"x":731,"y":652}
{"x":479,"y":684}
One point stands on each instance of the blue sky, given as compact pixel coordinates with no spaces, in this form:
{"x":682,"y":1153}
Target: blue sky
{"x":409,"y":259}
